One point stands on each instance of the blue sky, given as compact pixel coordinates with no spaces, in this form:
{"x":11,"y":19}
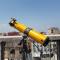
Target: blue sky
{"x":38,"y":14}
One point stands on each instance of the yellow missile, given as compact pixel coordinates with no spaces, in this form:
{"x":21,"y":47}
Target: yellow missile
{"x":38,"y":37}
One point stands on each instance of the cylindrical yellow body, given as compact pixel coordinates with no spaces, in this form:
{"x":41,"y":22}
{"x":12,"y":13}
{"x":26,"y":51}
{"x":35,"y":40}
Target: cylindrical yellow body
{"x":20,"y":27}
{"x":40,"y":38}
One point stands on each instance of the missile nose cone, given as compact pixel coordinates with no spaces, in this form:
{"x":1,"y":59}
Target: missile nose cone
{"x":11,"y":23}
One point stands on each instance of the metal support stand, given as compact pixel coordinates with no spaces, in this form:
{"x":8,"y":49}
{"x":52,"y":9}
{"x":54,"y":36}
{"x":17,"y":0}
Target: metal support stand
{"x":24,"y":51}
{"x":24,"y":47}
{"x":58,"y":50}
{"x":2,"y":49}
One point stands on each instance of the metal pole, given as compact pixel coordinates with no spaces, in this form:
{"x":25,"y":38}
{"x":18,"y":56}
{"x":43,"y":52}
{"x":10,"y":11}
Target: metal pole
{"x":2,"y":49}
{"x":58,"y":50}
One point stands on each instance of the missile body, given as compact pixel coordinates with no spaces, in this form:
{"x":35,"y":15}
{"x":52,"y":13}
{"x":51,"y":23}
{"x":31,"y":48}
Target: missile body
{"x":38,"y":37}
